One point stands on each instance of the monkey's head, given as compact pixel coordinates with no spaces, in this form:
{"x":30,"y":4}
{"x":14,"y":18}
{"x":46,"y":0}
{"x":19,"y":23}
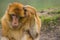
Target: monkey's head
{"x":17,"y":15}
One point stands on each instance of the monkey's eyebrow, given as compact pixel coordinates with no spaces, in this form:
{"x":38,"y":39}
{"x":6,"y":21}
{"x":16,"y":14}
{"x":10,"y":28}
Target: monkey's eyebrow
{"x":17,"y":9}
{"x":12,"y":14}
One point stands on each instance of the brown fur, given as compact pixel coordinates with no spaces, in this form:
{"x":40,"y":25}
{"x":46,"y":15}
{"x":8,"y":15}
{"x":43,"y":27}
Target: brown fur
{"x":29,"y":27}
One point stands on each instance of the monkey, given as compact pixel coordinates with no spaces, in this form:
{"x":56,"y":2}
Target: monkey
{"x":35,"y":22}
{"x":20,"y":23}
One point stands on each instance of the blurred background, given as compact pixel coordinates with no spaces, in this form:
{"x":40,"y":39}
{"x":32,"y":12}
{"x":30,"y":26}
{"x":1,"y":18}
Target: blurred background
{"x":38,"y":4}
{"x":47,"y":10}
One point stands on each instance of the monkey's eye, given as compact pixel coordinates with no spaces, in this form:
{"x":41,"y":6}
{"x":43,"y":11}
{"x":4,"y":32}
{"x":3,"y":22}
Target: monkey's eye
{"x":12,"y":14}
{"x":25,"y":11}
{"x":21,"y":17}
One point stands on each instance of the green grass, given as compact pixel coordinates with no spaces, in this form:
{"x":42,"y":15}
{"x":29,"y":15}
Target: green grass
{"x":47,"y":19}
{"x":50,"y":23}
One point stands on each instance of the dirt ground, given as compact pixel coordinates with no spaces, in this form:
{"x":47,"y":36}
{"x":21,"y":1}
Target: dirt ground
{"x":49,"y":36}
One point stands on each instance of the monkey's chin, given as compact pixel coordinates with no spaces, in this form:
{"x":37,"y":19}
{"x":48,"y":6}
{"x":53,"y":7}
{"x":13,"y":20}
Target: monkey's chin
{"x":15,"y":27}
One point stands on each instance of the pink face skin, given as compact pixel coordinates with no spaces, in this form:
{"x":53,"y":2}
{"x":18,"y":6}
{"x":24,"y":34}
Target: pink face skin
{"x":14,"y":22}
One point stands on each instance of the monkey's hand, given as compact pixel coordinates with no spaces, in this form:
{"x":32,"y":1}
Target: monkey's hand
{"x":35,"y":28}
{"x":4,"y":38}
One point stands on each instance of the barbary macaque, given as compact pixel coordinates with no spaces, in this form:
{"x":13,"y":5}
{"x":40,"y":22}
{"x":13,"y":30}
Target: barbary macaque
{"x":20,"y":23}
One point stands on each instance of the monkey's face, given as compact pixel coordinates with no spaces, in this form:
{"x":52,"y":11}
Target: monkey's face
{"x":16,"y":15}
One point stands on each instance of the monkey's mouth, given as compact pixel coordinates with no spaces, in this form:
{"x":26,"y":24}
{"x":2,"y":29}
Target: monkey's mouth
{"x":15,"y":25}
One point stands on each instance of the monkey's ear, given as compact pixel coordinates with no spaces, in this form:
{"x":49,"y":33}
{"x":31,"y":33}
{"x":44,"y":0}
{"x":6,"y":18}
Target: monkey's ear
{"x":12,"y":4}
{"x":30,"y":9}
{"x":9,"y":5}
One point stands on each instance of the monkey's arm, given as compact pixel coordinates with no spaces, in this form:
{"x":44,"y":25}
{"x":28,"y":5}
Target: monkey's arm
{"x":35,"y":28}
{"x":4,"y":29}
{"x":4,"y":38}
{"x":35,"y":22}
